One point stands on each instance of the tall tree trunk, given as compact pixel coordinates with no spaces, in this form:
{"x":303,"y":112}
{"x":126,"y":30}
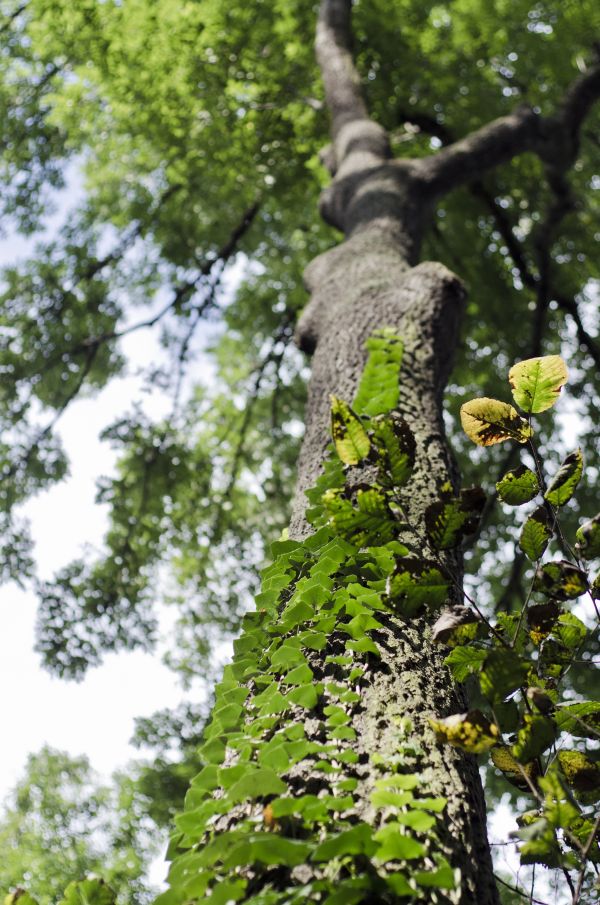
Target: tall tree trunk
{"x":368,"y":282}
{"x":361,"y":285}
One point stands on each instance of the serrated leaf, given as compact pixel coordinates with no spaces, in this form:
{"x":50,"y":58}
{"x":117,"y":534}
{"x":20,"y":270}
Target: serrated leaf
{"x":369,"y":521}
{"x":581,"y":720}
{"x":536,"y":382}
{"x":520,"y":775}
{"x":535,"y":534}
{"x":566,"y":479}
{"x":518,"y":486}
{"x":451,"y":518}
{"x":463,"y":661}
{"x":471,"y":731}
{"x":503,"y":671}
{"x":588,"y":538}
{"x":541,"y":620}
{"x":416,"y":584}
{"x":487,"y":421}
{"x":378,"y":389}
{"x":560,"y":579}
{"x":535,"y":735}
{"x":457,"y":625}
{"x":351,"y":441}
{"x":582,"y":774}
{"x":396,"y":445}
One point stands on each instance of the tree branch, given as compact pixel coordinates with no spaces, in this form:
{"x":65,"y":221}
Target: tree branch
{"x":529,"y":278}
{"x":353,"y":131}
{"x":555,"y":139}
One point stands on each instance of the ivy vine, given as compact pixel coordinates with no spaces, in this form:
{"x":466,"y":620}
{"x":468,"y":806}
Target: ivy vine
{"x":275,"y":814}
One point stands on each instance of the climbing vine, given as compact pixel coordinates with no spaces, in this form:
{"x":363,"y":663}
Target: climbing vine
{"x":283,"y":810}
{"x":290,"y":696}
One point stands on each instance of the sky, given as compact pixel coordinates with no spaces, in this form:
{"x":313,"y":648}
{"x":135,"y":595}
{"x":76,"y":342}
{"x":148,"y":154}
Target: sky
{"x":95,"y":716}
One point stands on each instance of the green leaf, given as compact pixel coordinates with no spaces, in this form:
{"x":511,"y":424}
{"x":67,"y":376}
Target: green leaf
{"x":535,"y":534}
{"x":257,"y":783}
{"x":87,"y":892}
{"x":588,"y":538}
{"x":396,"y":447}
{"x":581,"y":720}
{"x":369,"y":521}
{"x":416,"y":820}
{"x":349,"y":436}
{"x":540,"y":845}
{"x":566,"y":479}
{"x":520,"y":775}
{"x":471,"y":731}
{"x":463,"y":661}
{"x":451,"y":518}
{"x":457,"y":625}
{"x":536,"y":734}
{"x":358,"y":840}
{"x":570,"y":630}
{"x":518,"y":486}
{"x":349,"y":891}
{"x":395,"y":845}
{"x":378,"y":389}
{"x":441,"y":878}
{"x":536,"y":382}
{"x":416,"y":584}
{"x":21,"y":896}
{"x":560,"y":579}
{"x":305,"y":696}
{"x":582,"y":774}
{"x":300,"y":675}
{"x":267,"y":848}
{"x":487,"y":421}
{"x":503,"y":672}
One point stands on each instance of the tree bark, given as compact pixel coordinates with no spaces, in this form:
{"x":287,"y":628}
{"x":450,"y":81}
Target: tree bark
{"x":361,"y":285}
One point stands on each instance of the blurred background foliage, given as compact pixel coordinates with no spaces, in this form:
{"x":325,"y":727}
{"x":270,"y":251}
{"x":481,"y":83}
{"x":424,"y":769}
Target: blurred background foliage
{"x":185,"y":137}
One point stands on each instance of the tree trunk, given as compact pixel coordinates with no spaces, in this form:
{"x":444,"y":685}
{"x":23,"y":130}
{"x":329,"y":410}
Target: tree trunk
{"x":357,"y":287}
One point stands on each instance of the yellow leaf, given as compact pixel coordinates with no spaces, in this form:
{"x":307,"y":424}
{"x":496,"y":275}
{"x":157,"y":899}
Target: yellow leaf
{"x":470,"y":731}
{"x":487,"y":421}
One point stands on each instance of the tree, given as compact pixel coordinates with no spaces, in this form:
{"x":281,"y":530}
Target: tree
{"x":60,"y":825}
{"x":147,"y":173}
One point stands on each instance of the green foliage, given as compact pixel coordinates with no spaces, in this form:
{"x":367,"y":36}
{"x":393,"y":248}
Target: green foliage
{"x":60,"y":826}
{"x":349,"y":436}
{"x":521,"y":666}
{"x":537,"y":382}
{"x":179,"y":118}
{"x":518,"y":486}
{"x":329,"y":591}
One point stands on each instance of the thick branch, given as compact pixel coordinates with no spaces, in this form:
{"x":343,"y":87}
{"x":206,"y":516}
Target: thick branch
{"x":353,"y":131}
{"x":554,"y":139}
{"x":528,"y":277}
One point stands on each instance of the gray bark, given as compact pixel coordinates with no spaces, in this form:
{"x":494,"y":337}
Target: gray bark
{"x":360,"y":285}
